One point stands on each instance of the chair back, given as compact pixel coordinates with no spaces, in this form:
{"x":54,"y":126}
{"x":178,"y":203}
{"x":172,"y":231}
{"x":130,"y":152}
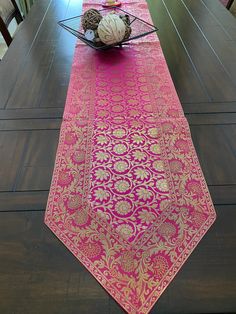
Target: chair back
{"x":8,"y":11}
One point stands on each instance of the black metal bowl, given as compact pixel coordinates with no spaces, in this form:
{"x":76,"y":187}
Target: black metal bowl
{"x":140,"y":28}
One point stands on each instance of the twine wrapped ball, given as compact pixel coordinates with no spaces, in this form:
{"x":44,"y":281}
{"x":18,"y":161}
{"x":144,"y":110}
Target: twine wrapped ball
{"x":111,"y":29}
{"x":91,"y":19}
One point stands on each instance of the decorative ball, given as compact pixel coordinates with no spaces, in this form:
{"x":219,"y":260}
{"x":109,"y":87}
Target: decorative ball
{"x":126,"y":19}
{"x":128,"y":31}
{"x":111,"y":29}
{"x":91,"y":19}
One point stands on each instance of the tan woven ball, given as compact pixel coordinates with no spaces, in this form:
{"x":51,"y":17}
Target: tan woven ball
{"x":91,"y":19}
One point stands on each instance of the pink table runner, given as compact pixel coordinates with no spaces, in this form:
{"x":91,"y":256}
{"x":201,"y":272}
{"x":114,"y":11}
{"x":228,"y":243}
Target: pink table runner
{"x":128,"y":197}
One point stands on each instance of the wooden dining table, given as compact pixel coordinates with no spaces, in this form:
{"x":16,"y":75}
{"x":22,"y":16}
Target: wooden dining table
{"x":38,"y":275}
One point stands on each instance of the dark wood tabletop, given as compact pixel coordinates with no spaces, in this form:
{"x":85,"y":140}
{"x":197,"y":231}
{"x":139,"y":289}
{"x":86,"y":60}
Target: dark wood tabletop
{"x":38,"y":275}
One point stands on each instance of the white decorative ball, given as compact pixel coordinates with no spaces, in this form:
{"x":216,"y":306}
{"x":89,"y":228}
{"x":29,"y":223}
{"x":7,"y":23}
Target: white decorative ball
{"x":111,"y":29}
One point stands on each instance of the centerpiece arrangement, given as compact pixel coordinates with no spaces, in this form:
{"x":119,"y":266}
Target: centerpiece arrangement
{"x":106,"y":28}
{"x":110,"y":29}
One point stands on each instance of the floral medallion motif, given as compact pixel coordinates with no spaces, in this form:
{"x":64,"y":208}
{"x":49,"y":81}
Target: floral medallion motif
{"x":123,"y":207}
{"x":100,"y":194}
{"x":102,"y":156}
{"x":139,"y":155}
{"x":120,"y":149}
{"x":119,"y":133}
{"x":122,"y":186}
{"x":121,"y":166}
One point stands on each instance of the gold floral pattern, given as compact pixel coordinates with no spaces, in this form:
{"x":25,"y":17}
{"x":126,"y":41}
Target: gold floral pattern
{"x":153,"y":132}
{"x":91,"y":250}
{"x":74,"y":202}
{"x":162,"y":185}
{"x":120,"y":149}
{"x":155,"y":148}
{"x":167,"y":229}
{"x":158,"y":165}
{"x":122,"y":186}
{"x":144,"y":193}
{"x":101,"y":139}
{"x":138,"y":155}
{"x":133,"y":113}
{"x":127,"y":261}
{"x":176,"y":166}
{"x":119,"y":133}
{"x":123,"y":207}
{"x":146,"y":217}
{"x":194,"y":187}
{"x":182,"y":145}
{"x":81,"y":217}
{"x":125,"y":230}
{"x":121,"y":166}
{"x":78,"y":157}
{"x":102,"y":113}
{"x":64,"y":178}
{"x":101,"y":125}
{"x":198,"y":219}
{"x":117,"y":108}
{"x":70,"y":139}
{"x":160,"y":266}
{"x":101,"y":194}
{"x":154,"y":265}
{"x":136,"y":138}
{"x":101,"y":174}
{"x":102,"y":156}
{"x":164,"y":204}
